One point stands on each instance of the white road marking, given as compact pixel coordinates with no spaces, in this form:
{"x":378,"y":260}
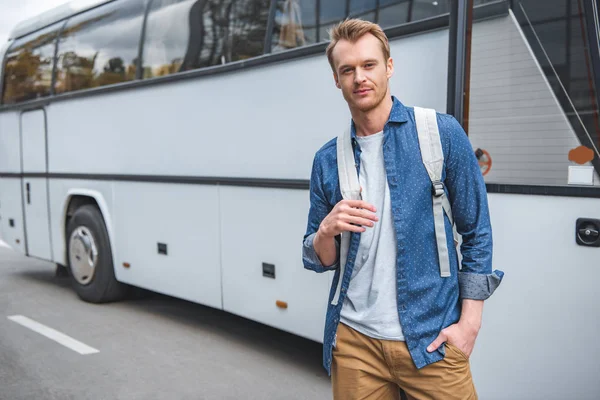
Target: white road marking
{"x":53,"y":334}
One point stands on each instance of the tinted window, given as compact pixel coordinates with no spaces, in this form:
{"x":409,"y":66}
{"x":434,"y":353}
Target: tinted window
{"x":332,"y":12}
{"x":100,"y":47}
{"x":188,"y":34}
{"x":28,"y":68}
{"x":422,"y":9}
{"x":533,"y":107}
{"x":563,"y":52}
{"x":296,"y":23}
{"x":363,"y":9}
{"x":392,"y":12}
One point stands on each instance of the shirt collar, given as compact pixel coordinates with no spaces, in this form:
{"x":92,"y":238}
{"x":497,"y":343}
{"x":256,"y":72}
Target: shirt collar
{"x":398,"y":114}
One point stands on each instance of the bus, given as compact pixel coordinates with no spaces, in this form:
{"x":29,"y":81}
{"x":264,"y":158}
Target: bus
{"x":167,"y":145}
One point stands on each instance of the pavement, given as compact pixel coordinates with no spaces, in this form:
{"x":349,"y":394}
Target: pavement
{"x":55,"y":346}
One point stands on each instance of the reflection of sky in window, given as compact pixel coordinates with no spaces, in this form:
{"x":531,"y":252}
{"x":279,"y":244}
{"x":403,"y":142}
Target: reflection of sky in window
{"x":361,"y":6}
{"x":332,"y":10}
{"x":167,"y":33}
{"x":115,"y":35}
{"x":49,"y":33}
{"x":383,"y":3}
{"x":543,"y":10}
{"x":553,"y":38}
{"x":308,"y":10}
{"x":393,"y":15}
{"x":428,"y":8}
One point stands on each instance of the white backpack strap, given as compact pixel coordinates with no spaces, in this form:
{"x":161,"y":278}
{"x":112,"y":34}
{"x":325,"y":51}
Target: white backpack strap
{"x":350,"y":188}
{"x":433,"y":159}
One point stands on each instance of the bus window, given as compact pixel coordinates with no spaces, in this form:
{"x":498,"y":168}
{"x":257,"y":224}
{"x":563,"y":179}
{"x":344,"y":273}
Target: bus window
{"x":295,"y":24}
{"x":422,"y":9}
{"x":249,"y":28}
{"x":184,"y":35}
{"x":392,"y":12}
{"x":28,"y":69}
{"x":363,"y":9}
{"x":533,"y":111}
{"x":99,"y":47}
{"x":331,"y":12}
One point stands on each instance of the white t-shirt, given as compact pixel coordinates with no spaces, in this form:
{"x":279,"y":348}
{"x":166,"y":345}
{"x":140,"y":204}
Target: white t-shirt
{"x":370,"y":306}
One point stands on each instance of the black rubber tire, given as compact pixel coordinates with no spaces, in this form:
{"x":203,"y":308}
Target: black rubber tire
{"x":103,"y":287}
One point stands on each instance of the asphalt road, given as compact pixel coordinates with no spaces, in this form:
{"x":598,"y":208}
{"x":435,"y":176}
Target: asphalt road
{"x":149,"y":347}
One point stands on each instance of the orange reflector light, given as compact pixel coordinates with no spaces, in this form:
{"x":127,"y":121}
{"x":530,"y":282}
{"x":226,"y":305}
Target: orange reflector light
{"x":126,"y":265}
{"x":281,"y":304}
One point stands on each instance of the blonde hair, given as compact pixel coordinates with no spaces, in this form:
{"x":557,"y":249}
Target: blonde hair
{"x":352,"y":30}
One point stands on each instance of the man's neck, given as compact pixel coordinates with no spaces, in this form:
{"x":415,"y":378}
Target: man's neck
{"x":372,"y":121}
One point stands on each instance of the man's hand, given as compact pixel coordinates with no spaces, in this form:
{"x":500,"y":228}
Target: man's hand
{"x":348,"y":215}
{"x":464,"y":333}
{"x":460,"y":335}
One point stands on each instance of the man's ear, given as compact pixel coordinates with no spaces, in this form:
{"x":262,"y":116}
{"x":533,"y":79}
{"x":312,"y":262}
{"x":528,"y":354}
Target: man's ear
{"x":390,"y":67}
{"x":337,"y":82}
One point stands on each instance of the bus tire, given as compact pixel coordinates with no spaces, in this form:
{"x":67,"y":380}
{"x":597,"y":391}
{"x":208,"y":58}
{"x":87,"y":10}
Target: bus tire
{"x":89,"y":258}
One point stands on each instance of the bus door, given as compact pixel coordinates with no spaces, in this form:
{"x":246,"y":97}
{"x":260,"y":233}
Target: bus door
{"x":534,"y":123}
{"x":35,"y":184}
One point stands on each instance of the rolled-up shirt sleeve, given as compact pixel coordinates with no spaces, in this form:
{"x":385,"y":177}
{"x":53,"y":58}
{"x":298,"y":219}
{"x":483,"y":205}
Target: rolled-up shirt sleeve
{"x":311,"y":259}
{"x":319,"y":209}
{"x":468,"y":197}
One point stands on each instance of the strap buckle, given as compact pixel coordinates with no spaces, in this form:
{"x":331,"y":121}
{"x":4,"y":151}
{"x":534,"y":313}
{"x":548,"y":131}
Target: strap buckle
{"x":437,"y":189}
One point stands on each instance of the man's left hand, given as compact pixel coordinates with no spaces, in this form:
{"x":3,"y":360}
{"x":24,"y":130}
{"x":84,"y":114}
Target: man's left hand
{"x":461,"y":335}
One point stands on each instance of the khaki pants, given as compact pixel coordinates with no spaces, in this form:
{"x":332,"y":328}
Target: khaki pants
{"x":367,"y":368}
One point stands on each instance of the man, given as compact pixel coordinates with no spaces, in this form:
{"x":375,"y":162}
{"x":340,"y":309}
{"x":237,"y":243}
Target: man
{"x":398,"y":323}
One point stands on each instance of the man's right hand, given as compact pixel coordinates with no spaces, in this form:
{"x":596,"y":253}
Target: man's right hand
{"x":347,"y":215}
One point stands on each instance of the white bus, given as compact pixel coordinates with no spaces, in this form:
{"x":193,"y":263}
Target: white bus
{"x":167,"y":145}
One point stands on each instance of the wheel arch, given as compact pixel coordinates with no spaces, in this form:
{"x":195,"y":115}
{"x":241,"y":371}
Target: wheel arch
{"x":76,"y":198}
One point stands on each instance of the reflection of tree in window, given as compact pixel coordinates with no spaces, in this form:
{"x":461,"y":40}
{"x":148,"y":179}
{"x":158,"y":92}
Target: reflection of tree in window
{"x":202,"y":33}
{"x":99,"y":48}
{"x":28,"y":70}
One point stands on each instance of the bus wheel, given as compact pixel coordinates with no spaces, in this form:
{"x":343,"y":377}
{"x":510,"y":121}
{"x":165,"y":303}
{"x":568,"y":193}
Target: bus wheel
{"x":90,"y":258}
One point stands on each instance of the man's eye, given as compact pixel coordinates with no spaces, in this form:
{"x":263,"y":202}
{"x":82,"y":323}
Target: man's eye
{"x":346,"y":70}
{"x":369,"y":65}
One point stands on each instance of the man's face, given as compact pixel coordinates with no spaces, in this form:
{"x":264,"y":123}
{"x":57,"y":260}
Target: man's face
{"x":362,"y":72}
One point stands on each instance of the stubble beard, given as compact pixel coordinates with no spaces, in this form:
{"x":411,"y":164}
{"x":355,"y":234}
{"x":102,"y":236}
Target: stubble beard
{"x":366,"y":107}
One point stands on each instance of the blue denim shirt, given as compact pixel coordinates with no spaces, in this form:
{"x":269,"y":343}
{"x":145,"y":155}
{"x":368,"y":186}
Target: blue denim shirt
{"x":427,"y":303}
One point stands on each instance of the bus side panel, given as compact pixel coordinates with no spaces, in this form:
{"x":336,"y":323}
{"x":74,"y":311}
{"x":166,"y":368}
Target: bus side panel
{"x":180,"y":220}
{"x":539,"y":334}
{"x":11,"y":204}
{"x":258,"y":118}
{"x":10,"y":144}
{"x":266,"y":226}
{"x":11,"y":214}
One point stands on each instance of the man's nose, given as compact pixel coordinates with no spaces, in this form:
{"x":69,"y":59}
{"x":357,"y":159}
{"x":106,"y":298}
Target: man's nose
{"x":359,"y":75}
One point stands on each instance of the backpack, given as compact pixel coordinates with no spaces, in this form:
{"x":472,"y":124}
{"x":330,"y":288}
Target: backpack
{"x":433,"y":160}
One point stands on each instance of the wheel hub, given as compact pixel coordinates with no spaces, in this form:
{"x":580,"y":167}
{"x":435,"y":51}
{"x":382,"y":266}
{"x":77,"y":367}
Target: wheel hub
{"x":83,"y":255}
